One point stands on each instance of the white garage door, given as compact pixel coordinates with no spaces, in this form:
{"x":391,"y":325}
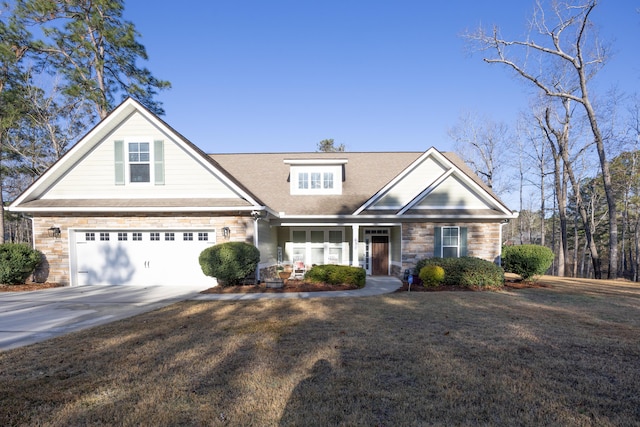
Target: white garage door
{"x":140,"y":257}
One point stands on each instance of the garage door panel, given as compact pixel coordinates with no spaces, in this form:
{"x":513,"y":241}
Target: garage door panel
{"x":142,"y":257}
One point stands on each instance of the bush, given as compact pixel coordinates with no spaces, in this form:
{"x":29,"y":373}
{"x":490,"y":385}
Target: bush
{"x":336,"y":275}
{"x":527,"y":260}
{"x":432,"y":275}
{"x":467,"y":271}
{"x":229,"y":262}
{"x":17,"y":262}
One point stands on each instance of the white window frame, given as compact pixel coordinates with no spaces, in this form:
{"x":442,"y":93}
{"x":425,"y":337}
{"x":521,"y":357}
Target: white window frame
{"x":442,"y":240}
{"x":128,"y":162}
{"x":315,"y":179}
{"x":307,"y":246}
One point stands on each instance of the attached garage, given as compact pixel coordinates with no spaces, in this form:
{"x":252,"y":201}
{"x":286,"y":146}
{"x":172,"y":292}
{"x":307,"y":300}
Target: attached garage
{"x":139,"y":257}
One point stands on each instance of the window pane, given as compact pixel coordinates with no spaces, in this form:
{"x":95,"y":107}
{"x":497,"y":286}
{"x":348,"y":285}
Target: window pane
{"x":450,"y":252}
{"x":335,"y":255}
{"x":317,"y":255}
{"x":328,"y":180}
{"x":144,"y":147}
{"x":335,"y":236}
{"x":317,"y":236}
{"x":303,"y":180}
{"x":316,"y":180}
{"x":139,"y":172}
{"x":299,"y":236}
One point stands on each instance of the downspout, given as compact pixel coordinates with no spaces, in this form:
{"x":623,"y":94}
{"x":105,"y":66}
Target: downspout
{"x":506,"y":222}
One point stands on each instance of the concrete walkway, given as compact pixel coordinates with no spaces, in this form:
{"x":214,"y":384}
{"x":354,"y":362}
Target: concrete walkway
{"x":376,"y":285}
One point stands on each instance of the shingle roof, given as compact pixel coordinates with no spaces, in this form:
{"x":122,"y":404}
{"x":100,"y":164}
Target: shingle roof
{"x":267,"y":175}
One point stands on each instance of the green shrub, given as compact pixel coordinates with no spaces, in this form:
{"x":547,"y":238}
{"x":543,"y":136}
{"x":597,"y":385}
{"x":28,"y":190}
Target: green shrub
{"x":432,"y":275}
{"x":17,"y":262}
{"x":527,"y":260}
{"x":467,"y":271}
{"x":229,"y":262}
{"x":337,"y":274}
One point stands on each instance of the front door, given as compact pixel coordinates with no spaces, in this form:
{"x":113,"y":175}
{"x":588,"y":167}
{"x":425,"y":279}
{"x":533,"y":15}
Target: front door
{"x":379,"y":255}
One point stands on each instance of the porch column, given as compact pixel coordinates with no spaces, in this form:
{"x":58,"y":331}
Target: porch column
{"x":355,"y":230}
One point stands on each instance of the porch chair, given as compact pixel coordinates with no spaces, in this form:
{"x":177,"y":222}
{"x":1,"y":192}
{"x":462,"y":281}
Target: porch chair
{"x":299,"y":269}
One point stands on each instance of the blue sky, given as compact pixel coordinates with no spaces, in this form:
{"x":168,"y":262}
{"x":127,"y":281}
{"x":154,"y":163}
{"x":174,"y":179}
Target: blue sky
{"x":263,"y":76}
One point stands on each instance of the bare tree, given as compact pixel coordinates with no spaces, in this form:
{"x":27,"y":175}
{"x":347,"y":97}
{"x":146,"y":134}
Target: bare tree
{"x":482,"y":143}
{"x":567,"y":55}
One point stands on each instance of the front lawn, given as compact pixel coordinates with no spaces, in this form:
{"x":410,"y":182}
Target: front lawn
{"x":567,"y":354}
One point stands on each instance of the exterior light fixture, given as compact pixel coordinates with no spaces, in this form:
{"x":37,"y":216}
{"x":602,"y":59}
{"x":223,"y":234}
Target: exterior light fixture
{"x":54,"y":232}
{"x":226,"y":232}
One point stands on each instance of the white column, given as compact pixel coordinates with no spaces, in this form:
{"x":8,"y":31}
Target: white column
{"x":355,"y":230}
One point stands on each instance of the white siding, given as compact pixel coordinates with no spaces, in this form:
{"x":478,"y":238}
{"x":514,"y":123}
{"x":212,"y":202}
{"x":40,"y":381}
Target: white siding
{"x":411,"y":185}
{"x":452,"y":194}
{"x":94,"y":177}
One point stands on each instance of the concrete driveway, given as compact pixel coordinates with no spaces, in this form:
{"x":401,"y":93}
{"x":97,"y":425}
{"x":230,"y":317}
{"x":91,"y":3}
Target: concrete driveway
{"x":29,"y":317}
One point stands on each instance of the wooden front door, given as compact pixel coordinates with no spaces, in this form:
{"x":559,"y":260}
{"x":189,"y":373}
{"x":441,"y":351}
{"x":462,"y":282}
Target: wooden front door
{"x":380,"y":255}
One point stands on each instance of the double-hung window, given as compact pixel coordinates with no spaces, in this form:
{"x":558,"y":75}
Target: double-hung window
{"x":450,"y":242}
{"x":139,"y":162}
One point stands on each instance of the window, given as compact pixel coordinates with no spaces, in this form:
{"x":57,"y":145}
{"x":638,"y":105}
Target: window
{"x":89,"y":237}
{"x":317,"y":246}
{"x":139,"y":162}
{"x":316,"y":176}
{"x":328,"y":180}
{"x":203,"y":237}
{"x":187,"y":236}
{"x":104,"y":236}
{"x":303,"y":180}
{"x":122,"y":236}
{"x":154,"y":236}
{"x":169,"y":236}
{"x":137,"y":236}
{"x":316,"y":180}
{"x":319,"y":180}
{"x":450,"y":242}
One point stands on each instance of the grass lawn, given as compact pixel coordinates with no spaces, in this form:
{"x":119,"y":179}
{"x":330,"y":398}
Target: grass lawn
{"x":568,"y":354}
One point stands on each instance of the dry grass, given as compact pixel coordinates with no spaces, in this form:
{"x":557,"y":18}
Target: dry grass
{"x":564,"y":355}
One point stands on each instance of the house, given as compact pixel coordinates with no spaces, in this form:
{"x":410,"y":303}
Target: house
{"x":134,"y":202}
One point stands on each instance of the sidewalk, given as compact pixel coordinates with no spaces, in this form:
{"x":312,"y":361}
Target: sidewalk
{"x":375,"y":285}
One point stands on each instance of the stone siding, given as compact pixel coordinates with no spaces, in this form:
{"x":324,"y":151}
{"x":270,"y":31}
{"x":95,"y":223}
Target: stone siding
{"x":55,"y":267}
{"x":483,"y":241}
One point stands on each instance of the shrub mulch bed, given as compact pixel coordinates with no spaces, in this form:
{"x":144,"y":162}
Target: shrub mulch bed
{"x":289,"y":286}
{"x":27,"y":287}
{"x":510,"y":283}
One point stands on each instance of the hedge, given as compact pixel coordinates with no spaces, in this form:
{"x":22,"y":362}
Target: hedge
{"x":527,"y":260}
{"x":467,"y":271}
{"x":18,"y":261}
{"x":229,"y":262}
{"x":337,"y":274}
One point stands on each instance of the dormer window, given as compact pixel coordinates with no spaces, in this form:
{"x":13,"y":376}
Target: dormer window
{"x":316,"y":176}
{"x":315,"y":180}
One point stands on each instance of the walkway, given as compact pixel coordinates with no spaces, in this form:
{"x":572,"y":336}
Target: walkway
{"x":376,"y":285}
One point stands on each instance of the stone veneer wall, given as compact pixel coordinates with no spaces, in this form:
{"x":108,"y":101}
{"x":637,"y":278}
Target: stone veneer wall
{"x":56,"y":250}
{"x":483,"y":241}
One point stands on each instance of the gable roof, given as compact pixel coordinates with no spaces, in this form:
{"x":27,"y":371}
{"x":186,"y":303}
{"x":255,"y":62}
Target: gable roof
{"x":367,"y":177}
{"x":32,"y":198}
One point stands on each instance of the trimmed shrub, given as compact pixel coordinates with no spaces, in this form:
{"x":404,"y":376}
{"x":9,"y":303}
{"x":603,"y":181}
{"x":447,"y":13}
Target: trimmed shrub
{"x":527,"y":260}
{"x":467,"y":271}
{"x":17,"y":262}
{"x":432,"y":275}
{"x":336,"y":275}
{"x":229,"y":262}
